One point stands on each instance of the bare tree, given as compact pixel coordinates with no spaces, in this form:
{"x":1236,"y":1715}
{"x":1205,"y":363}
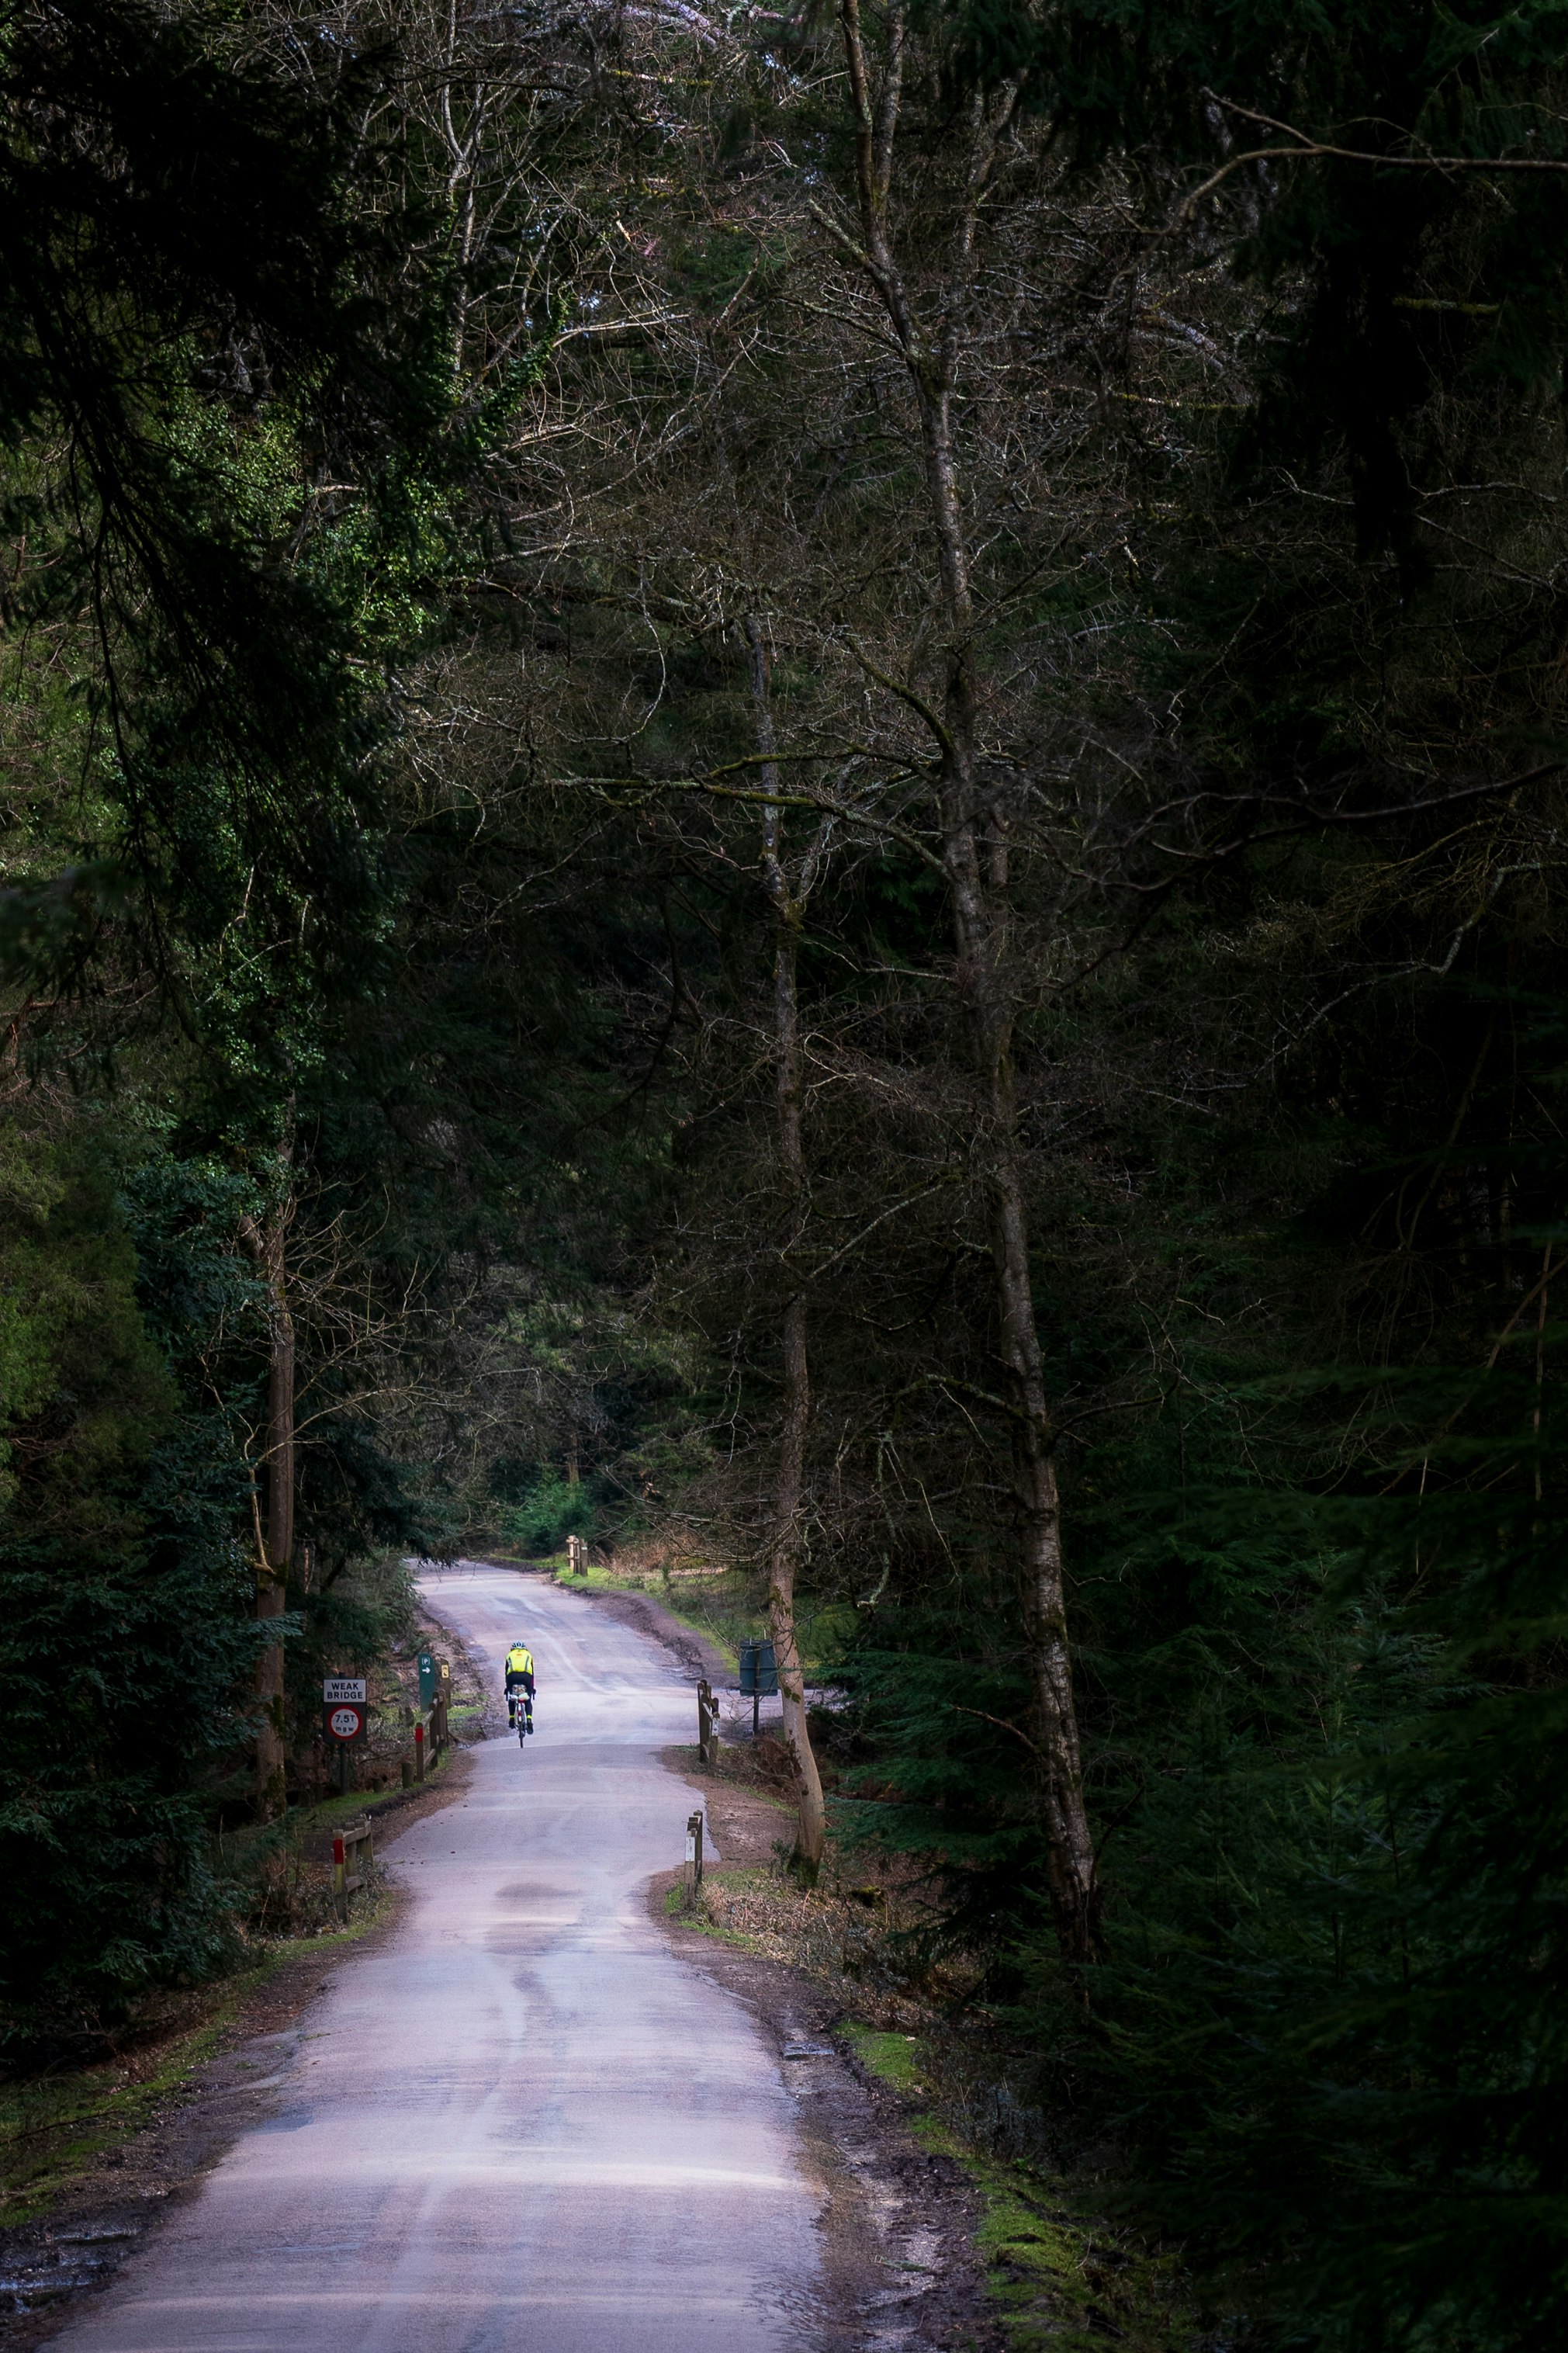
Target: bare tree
{"x":974,"y":853}
{"x":789,"y":904}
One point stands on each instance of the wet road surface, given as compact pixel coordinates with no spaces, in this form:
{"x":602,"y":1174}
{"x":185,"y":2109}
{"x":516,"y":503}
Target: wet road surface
{"x":520,"y":2121}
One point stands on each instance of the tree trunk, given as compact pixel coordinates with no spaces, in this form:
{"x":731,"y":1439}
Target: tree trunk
{"x":783,"y":1551}
{"x":978,"y":885}
{"x":272,"y":1574}
{"x":783,"y":1554}
{"x":986,"y":1003}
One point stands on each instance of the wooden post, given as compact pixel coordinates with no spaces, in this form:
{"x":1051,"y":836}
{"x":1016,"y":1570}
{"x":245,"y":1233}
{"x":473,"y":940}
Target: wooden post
{"x":419,"y":1753}
{"x":707,"y":1724}
{"x":694,"y":1858}
{"x":340,"y":1877}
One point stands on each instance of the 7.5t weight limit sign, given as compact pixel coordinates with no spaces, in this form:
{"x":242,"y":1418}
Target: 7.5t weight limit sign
{"x":345,"y":1712}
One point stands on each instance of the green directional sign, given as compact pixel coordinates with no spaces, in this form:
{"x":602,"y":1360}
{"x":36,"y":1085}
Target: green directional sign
{"x":759,"y":1676}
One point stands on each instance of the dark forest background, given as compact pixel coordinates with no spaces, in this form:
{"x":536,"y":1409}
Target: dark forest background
{"x":793,"y":783}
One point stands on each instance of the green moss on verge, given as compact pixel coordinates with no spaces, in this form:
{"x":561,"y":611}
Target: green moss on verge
{"x":52,"y":2130}
{"x":1062,"y":2276}
{"x":894,"y":2058}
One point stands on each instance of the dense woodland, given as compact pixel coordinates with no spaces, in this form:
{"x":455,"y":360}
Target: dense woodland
{"x":791,"y":782}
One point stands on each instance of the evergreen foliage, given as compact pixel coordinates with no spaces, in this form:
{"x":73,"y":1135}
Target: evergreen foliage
{"x":123,"y":1630}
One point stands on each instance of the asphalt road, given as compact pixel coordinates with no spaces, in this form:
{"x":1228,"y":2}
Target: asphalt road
{"x":520,"y":2121}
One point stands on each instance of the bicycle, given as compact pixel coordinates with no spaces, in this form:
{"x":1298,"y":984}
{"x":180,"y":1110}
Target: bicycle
{"x":520,"y":1715}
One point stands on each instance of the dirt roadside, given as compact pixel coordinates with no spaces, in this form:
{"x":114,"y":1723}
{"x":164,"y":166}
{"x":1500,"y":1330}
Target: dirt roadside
{"x":902,"y":2273}
{"x":122,"y":2192}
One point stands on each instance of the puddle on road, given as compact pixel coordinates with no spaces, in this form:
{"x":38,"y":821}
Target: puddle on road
{"x":62,"y":2263}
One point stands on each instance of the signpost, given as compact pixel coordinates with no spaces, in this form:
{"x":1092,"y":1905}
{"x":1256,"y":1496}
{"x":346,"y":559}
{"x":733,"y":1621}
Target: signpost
{"x":759,"y":1677}
{"x":434,"y":1697}
{"x":345,"y":1718}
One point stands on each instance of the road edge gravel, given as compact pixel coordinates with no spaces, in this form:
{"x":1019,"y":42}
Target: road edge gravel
{"x":901,"y":2270}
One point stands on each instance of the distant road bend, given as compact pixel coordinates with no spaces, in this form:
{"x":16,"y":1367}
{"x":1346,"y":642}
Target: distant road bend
{"x":520,"y":2122}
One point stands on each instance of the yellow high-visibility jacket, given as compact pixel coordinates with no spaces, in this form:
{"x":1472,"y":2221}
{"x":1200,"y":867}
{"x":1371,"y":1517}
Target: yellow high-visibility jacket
{"x":520,"y":1667}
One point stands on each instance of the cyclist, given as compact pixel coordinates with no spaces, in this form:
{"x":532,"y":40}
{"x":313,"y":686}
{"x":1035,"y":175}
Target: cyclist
{"x":519,"y":1681}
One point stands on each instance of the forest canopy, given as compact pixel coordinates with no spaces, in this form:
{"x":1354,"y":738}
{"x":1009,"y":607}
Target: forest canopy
{"x":788,"y":784}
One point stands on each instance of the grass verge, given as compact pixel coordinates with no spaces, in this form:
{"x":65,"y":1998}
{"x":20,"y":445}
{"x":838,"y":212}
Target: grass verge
{"x":701,"y":1921}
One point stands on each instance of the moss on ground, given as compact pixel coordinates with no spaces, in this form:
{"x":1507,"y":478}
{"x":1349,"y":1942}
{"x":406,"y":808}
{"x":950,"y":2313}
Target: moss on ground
{"x":1061,"y":2275}
{"x":894,"y":2058}
{"x":52,"y":2129}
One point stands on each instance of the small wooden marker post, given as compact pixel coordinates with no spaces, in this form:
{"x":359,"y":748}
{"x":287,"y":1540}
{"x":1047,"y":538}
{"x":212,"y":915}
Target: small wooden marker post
{"x":694,"y":1858}
{"x":419,"y":1752}
{"x":576,"y":1556}
{"x":707,"y":1724}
